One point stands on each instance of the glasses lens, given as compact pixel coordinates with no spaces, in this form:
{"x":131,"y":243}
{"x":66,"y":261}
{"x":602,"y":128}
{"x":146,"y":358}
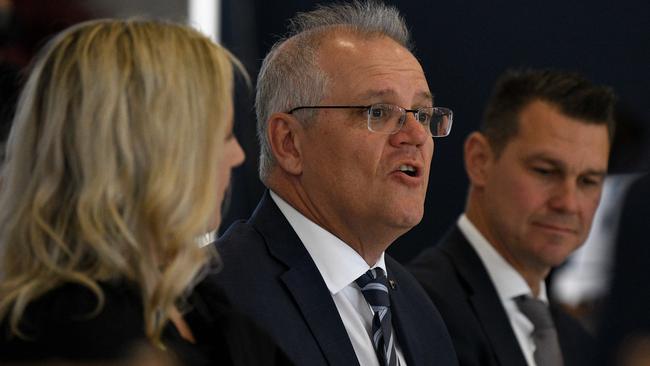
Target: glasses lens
{"x":441,"y":121}
{"x":385,"y":118}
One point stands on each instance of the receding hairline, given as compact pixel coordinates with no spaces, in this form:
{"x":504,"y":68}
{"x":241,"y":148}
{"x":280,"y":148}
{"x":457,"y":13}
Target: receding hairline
{"x":315,"y":37}
{"x":557,"y":108}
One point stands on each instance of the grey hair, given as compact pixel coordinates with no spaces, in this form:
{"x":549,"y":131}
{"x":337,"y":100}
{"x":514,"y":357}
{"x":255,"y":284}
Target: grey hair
{"x":290,"y":75}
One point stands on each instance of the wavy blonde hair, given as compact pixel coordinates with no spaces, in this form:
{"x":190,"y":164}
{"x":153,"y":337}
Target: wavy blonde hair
{"x":111,"y":165}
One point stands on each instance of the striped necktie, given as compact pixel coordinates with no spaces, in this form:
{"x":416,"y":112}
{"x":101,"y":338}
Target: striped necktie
{"x":374,"y":288}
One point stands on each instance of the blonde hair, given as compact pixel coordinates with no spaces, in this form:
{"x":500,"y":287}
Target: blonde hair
{"x":111,"y":164}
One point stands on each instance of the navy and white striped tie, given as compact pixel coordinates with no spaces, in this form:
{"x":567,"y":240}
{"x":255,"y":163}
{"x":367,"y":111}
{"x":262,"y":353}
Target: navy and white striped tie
{"x":374,"y":287}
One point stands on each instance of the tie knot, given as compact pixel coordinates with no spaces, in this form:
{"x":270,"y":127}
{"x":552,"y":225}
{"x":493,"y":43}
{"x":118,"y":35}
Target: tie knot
{"x":536,"y":311}
{"x":374,"y":287}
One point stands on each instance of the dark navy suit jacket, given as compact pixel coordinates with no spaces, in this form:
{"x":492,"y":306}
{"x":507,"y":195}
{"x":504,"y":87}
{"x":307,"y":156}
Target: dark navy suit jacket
{"x":454,"y":276}
{"x":268,"y":275}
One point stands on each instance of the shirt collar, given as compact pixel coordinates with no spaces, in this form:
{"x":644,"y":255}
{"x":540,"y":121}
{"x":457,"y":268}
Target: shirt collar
{"x":507,"y":281}
{"x":337,"y":262}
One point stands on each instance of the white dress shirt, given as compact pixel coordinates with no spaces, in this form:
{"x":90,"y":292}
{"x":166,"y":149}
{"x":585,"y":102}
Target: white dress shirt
{"x":340,"y":266}
{"x":508,"y":283}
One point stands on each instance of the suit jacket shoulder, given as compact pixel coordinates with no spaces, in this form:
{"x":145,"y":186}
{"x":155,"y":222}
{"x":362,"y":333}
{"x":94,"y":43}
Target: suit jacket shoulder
{"x":268,"y":274}
{"x":458,"y":283}
{"x":454,"y":277}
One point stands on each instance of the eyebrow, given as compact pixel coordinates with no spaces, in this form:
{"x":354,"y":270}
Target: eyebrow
{"x":425,"y":95}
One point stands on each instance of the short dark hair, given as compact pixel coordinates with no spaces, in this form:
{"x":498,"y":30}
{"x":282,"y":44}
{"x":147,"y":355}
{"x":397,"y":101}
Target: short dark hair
{"x":574,"y":95}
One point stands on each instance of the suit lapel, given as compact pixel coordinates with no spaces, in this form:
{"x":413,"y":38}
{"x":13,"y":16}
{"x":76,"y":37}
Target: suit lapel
{"x":305,"y":284}
{"x":403,"y":321}
{"x":484,"y":299}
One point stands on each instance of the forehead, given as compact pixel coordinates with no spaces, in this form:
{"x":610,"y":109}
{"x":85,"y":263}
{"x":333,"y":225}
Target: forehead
{"x":545,"y":132}
{"x":364,"y":68}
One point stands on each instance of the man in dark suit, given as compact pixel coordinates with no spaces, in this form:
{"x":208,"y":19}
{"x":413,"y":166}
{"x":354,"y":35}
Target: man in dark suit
{"x":345,"y":120}
{"x":536,"y":171}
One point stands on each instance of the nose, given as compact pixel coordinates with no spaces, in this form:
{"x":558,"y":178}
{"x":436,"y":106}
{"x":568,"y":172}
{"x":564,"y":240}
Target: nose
{"x":412,"y":132}
{"x":565,"y":197}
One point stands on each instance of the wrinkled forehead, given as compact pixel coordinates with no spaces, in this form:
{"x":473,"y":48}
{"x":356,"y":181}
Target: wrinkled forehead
{"x":422,"y":96}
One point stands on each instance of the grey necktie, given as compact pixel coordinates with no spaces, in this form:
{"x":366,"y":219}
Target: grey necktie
{"x":374,"y":288}
{"x":547,"y":346}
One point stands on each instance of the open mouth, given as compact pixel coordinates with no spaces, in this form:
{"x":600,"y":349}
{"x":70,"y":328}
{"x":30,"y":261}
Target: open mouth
{"x":409,"y":170}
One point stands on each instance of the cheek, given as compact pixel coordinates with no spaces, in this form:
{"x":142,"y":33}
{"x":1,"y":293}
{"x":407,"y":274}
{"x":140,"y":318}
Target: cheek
{"x":223,"y":180}
{"x":525,"y":198}
{"x":346,"y":160}
{"x":528,"y":193}
{"x":223,"y":176}
{"x":429,"y":150}
{"x":589,"y":209}
{"x":514,"y":191}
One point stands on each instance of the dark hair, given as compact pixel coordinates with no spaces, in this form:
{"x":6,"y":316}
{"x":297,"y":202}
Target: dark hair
{"x":574,"y":95}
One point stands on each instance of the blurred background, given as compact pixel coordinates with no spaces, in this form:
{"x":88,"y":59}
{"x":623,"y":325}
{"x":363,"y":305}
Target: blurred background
{"x":463,"y":47}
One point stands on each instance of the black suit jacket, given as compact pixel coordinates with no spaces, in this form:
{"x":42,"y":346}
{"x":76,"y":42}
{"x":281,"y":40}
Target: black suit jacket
{"x":268,"y":274}
{"x":458,"y":283}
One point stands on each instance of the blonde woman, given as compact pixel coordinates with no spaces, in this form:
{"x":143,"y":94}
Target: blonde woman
{"x":118,"y":159}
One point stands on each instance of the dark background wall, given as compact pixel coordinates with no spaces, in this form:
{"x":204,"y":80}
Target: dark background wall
{"x":463,"y":46}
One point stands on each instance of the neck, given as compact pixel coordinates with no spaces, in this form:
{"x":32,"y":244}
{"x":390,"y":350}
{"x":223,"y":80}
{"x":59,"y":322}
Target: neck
{"x":369,"y":243}
{"x":530,"y":273}
{"x":534,"y":284}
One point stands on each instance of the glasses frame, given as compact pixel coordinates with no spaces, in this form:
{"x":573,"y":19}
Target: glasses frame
{"x":416,"y":112}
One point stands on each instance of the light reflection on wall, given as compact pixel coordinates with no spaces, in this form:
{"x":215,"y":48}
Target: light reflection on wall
{"x":204,"y":15}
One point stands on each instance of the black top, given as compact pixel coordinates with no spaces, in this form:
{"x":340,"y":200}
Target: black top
{"x":61,"y":326}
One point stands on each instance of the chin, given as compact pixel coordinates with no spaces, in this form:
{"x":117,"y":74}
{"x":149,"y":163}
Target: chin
{"x":556,"y":256}
{"x":408,"y":221}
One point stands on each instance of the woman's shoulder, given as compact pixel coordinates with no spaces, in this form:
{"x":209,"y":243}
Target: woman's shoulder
{"x":68,"y":322}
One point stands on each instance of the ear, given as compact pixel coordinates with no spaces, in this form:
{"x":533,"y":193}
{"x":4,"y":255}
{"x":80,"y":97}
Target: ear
{"x":478,"y":158}
{"x":284,"y":133}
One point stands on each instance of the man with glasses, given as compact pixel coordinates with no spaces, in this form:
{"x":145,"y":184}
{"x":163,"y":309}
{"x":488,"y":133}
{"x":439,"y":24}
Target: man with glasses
{"x":536,"y":173}
{"x":345,"y":121}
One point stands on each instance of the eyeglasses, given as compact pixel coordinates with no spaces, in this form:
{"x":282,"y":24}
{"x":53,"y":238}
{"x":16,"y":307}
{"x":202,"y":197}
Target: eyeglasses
{"x":389,"y":118}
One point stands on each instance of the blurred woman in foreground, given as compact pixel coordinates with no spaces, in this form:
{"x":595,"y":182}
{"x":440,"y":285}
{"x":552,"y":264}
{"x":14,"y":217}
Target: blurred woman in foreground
{"x":119,"y":157}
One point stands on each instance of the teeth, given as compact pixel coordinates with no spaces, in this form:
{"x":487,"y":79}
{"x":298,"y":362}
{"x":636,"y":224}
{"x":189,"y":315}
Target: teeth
{"x":406,"y":168}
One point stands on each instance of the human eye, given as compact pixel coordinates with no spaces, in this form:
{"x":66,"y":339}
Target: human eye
{"x":379,"y":111}
{"x":543,"y":171}
{"x":424,"y":116}
{"x":590,"y":181}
